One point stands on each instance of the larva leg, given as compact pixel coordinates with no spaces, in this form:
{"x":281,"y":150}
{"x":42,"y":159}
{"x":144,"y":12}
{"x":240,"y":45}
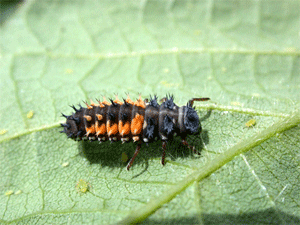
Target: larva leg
{"x":184,"y":142}
{"x":164,"y":146}
{"x":137,"y":150}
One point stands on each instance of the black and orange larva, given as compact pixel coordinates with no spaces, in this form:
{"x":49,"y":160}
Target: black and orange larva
{"x":139,"y":121}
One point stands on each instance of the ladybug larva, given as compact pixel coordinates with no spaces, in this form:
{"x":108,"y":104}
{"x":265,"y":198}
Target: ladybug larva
{"x":139,"y":121}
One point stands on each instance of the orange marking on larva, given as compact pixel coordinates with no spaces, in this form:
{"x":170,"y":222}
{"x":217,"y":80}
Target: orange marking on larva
{"x":135,"y":138}
{"x":128,"y":100}
{"x":92,"y":103}
{"x":90,"y":130}
{"x":139,"y":102}
{"x":118,"y":101}
{"x":99,"y":117}
{"x":100,"y":130}
{"x":100,"y":104}
{"x":124,"y":129}
{"x":105,"y":102}
{"x":88,"y":106}
{"x":111,"y":130}
{"x":137,"y":124}
{"x":88,"y":118}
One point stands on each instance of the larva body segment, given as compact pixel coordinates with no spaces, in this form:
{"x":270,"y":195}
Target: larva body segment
{"x":139,"y":121}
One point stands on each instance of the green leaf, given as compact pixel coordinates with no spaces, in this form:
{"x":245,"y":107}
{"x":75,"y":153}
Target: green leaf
{"x":244,"y":55}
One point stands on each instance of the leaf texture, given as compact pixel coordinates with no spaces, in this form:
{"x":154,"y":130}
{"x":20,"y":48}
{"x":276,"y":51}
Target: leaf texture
{"x":244,"y":55}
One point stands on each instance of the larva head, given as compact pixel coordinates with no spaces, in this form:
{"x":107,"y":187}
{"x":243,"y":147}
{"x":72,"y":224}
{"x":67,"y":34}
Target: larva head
{"x":73,"y":125}
{"x":69,"y":128}
{"x":191,"y":121}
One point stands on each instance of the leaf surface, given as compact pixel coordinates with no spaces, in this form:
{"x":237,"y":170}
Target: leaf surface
{"x":244,"y":55}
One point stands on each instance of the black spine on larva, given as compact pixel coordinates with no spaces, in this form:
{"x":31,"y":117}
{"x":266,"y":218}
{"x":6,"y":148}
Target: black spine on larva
{"x":168,"y":119}
{"x":150,"y":132}
{"x":191,"y":120}
{"x":113,"y":112}
{"x":153,"y":102}
{"x":125,"y":112}
{"x":113,"y":116}
{"x":169,"y":103}
{"x":150,"y":129}
{"x":169,"y":126}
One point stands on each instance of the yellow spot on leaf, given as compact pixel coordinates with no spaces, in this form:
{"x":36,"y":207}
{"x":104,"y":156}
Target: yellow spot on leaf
{"x":250,"y":123}
{"x":65,"y":164}
{"x":291,"y":49}
{"x":69,"y":71}
{"x":18,"y":192}
{"x":197,"y":32}
{"x":166,"y":84}
{"x":82,"y":186}
{"x":236,"y":103}
{"x":8,"y":193}
{"x":3,"y":132}
{"x":30,"y":114}
{"x":166,"y":70}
